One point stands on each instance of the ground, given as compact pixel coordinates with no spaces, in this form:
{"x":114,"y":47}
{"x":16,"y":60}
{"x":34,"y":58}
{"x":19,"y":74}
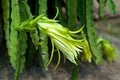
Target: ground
{"x":106,"y":71}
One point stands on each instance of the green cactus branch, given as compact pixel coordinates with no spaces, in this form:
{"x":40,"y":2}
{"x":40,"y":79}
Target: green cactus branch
{"x":28,"y":25}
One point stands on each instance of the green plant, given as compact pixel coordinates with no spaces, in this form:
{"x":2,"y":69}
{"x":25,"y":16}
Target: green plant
{"x":108,"y":50}
{"x":28,"y":24}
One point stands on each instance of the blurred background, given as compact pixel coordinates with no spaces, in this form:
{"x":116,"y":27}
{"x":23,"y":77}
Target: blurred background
{"x":108,"y":27}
